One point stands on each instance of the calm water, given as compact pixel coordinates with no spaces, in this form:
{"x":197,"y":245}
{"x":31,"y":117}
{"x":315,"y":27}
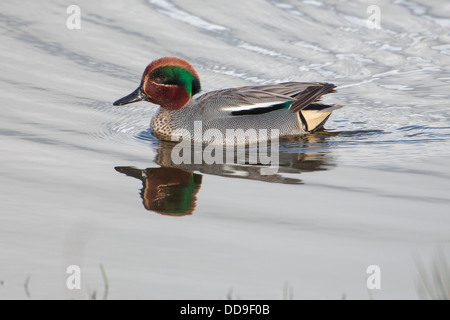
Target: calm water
{"x":84,"y":183}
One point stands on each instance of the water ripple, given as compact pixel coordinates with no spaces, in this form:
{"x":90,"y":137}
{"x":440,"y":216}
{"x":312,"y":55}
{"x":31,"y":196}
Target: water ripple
{"x":175,"y":12}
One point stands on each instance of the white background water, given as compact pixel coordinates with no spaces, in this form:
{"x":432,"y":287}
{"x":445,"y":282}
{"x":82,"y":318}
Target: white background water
{"x":382,"y":196}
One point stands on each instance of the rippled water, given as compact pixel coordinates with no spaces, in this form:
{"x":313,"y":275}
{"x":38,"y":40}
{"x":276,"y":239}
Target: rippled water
{"x":372,"y":189}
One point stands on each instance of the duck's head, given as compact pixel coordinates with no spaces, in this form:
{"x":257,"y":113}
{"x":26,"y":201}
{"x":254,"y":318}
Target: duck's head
{"x":169,"y":82}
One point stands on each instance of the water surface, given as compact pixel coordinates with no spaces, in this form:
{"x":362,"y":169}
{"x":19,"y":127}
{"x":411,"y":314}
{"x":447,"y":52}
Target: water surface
{"x":84,"y":183}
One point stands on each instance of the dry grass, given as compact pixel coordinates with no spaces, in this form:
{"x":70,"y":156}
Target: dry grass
{"x":434,"y":280}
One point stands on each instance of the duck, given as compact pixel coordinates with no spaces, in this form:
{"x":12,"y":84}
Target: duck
{"x":287,"y":109}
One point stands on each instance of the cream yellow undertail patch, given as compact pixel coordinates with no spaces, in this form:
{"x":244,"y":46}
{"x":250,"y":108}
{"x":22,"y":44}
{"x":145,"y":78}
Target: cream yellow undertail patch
{"x":314,"y":118}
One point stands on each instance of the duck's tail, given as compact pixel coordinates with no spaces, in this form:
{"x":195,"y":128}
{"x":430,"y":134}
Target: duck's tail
{"x":316,"y":114}
{"x":311,"y":110}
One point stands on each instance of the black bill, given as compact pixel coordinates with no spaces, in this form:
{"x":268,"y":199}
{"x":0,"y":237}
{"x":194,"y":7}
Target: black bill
{"x":135,"y":96}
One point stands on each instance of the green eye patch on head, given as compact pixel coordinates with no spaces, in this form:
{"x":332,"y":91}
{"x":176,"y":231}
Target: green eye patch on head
{"x":175,"y":75}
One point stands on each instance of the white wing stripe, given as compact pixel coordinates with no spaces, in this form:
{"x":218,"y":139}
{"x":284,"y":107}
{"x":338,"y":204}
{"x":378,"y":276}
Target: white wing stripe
{"x":252,"y":106}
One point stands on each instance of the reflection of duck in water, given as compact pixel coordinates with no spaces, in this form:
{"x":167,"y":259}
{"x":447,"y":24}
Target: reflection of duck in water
{"x":172,"y":189}
{"x":168,"y":191}
{"x":294,"y":163}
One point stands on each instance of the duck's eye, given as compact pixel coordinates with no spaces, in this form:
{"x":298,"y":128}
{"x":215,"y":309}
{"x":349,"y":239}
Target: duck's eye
{"x":159,"y":80}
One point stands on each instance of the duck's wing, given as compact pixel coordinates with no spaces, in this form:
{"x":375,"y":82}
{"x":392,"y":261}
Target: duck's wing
{"x":310,"y":95}
{"x":293,"y":96}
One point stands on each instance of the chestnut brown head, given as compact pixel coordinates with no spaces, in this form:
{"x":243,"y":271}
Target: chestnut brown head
{"x":169,"y":82}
